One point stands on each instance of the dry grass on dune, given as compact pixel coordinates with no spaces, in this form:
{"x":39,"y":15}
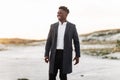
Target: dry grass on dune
{"x":17,"y":41}
{"x":102,"y":31}
{"x":98,"y":51}
{"x":98,"y":42}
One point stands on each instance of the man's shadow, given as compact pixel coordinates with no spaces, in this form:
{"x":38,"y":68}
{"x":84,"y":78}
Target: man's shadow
{"x":22,"y":79}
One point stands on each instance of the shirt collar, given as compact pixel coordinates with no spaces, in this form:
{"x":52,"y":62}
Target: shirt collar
{"x":64,"y":23}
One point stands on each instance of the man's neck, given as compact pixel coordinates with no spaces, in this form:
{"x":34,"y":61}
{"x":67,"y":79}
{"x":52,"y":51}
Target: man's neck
{"x":63,"y":21}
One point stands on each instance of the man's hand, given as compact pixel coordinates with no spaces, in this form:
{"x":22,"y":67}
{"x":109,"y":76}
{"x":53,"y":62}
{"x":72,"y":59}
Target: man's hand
{"x":46,"y":59}
{"x":76,"y":59}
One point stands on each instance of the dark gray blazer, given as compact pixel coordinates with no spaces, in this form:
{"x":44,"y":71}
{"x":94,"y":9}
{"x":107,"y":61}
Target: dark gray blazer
{"x":50,"y":48}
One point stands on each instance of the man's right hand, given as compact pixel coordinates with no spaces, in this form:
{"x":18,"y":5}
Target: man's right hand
{"x":46,"y":59}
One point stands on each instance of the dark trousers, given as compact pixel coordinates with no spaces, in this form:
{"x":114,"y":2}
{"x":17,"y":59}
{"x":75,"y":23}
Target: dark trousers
{"x":58,"y":66}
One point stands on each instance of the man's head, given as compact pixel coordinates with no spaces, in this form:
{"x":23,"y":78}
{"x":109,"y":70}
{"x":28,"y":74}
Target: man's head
{"x":62,"y":13}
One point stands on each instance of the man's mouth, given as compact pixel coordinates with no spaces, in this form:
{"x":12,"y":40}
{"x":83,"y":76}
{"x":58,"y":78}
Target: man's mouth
{"x":59,"y":17}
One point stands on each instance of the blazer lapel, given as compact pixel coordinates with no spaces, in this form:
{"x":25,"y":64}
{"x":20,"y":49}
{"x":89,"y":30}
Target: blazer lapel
{"x":66,"y":30}
{"x":56,"y":29}
{"x":56,"y":32}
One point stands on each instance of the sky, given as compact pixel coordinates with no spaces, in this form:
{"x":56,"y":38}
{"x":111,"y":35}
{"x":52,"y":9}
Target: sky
{"x":32,"y":18}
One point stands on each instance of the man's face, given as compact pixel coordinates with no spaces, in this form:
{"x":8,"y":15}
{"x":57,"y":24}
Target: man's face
{"x":61,"y":15}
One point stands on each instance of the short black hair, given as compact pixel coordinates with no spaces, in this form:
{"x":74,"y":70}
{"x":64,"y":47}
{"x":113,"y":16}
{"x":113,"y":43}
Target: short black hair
{"x":64,"y":8}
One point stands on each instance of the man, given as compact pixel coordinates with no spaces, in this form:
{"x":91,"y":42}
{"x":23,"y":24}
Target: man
{"x":58,"y":49}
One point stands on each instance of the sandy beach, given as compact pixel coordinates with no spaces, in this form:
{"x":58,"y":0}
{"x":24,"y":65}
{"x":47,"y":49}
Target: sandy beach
{"x":28,"y":62}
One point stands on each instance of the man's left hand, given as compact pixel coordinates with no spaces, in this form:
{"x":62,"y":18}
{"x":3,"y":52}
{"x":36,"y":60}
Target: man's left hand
{"x":76,"y":59}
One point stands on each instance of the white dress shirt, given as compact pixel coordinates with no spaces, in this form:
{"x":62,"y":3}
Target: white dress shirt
{"x":60,"y":36}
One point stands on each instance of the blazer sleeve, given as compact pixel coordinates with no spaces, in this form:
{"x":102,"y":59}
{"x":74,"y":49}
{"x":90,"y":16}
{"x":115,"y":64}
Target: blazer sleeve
{"x":48,"y":42}
{"x":76,"y":42}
